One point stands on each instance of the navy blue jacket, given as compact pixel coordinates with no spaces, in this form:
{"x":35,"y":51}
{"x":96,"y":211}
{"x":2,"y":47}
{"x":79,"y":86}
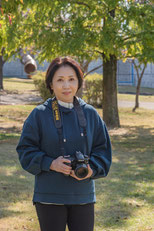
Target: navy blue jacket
{"x":39,"y":146}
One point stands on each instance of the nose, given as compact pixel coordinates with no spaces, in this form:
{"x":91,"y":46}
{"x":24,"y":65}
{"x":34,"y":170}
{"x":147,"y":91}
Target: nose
{"x":66,"y":84}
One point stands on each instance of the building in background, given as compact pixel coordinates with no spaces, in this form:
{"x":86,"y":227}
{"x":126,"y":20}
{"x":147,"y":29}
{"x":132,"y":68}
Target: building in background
{"x":126,"y":73}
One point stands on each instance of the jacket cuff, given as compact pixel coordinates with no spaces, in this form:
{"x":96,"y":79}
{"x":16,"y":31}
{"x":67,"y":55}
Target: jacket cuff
{"x":94,"y":173}
{"x":94,"y":170}
{"x":46,"y":163}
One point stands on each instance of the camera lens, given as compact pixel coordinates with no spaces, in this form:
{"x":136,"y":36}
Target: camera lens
{"x":81,"y":171}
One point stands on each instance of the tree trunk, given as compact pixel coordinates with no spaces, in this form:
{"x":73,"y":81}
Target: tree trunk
{"x":110,"y":106}
{"x":1,"y":72}
{"x":137,"y":95}
{"x":139,"y":77}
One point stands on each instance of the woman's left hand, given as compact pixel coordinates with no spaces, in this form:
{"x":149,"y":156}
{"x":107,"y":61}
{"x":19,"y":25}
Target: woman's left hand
{"x":90,"y":172}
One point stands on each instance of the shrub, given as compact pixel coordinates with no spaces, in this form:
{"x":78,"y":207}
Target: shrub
{"x":39,"y":81}
{"x":92,"y":93}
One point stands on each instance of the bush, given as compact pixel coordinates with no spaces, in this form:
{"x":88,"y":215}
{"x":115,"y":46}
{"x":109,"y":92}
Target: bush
{"x":39,"y":81}
{"x":92,"y":93}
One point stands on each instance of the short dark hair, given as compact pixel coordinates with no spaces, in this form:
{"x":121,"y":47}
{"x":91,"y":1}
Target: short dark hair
{"x":59,"y":62}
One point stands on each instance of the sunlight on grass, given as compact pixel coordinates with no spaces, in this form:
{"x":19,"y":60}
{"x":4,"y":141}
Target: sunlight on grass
{"x":141,"y":117}
{"x":4,"y":136}
{"x":12,"y":119}
{"x":142,"y":98}
{"x":7,"y":171}
{"x":17,"y":85}
{"x":23,"y":211}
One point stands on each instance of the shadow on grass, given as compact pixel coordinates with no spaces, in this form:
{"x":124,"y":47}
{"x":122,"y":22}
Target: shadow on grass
{"x":18,"y":80}
{"x":128,"y":186}
{"x":8,"y":213}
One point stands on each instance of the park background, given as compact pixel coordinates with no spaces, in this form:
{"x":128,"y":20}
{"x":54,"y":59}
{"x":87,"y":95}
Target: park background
{"x":111,"y":31}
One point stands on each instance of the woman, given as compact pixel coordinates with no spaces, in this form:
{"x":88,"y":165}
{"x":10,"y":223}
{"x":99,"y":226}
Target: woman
{"x":53,"y":134}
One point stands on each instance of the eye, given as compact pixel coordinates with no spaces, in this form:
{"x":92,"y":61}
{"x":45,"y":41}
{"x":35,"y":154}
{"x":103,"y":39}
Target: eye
{"x":59,"y":80}
{"x":72,"y":79}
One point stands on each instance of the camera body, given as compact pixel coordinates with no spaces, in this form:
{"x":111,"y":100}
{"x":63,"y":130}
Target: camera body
{"x":79,"y":163}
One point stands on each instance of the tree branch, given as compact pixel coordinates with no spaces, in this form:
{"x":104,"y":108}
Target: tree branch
{"x":81,"y":3}
{"x":2,"y":52}
{"x":98,"y":52}
{"x":129,"y":56}
{"x":145,"y":65}
{"x":136,"y":68}
{"x":135,"y":35}
{"x":93,"y":70}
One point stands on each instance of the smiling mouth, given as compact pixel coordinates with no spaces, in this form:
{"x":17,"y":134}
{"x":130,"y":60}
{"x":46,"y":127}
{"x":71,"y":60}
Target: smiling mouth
{"x":66,"y":93}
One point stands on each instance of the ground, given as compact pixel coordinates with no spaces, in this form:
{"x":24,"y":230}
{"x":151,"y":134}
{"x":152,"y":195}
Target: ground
{"x":18,"y":99}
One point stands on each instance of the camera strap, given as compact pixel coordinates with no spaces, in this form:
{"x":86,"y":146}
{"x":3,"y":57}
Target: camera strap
{"x":82,"y":121}
{"x":58,"y":123}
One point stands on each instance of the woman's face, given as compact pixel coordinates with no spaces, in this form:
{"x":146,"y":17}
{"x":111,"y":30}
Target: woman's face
{"x":65,"y":84}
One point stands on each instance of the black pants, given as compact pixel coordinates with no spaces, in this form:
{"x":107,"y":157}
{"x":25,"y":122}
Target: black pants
{"x":55,"y":217}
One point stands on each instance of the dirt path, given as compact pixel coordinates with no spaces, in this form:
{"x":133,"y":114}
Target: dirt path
{"x":18,"y":99}
{"x":131,"y":104}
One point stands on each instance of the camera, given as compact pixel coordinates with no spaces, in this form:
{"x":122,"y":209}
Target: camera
{"x":79,"y":164}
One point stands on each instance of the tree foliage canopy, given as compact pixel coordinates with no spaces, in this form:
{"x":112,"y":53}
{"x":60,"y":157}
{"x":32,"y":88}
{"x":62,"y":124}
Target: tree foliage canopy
{"x":79,"y":28}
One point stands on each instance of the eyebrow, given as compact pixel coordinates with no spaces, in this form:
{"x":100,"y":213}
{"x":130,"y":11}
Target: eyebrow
{"x":64,"y":76}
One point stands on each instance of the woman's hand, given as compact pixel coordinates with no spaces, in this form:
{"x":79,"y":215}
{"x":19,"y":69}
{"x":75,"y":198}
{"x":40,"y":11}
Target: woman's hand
{"x":90,"y":172}
{"x":58,"y":165}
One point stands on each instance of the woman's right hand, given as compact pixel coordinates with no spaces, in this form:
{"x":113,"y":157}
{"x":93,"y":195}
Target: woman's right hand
{"x":58,"y":165}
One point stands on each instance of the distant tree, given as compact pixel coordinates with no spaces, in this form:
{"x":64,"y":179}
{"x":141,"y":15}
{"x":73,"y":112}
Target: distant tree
{"x":138,"y":68}
{"x":12,"y":35}
{"x":8,"y":42}
{"x":141,"y":52}
{"x":1,"y":69}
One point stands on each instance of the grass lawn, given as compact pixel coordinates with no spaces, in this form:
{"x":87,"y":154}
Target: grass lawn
{"x":18,"y":85}
{"x":132,"y":90}
{"x":130,"y":97}
{"x":127,"y":93}
{"x":124,"y":198}
{"x":12,"y":118}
